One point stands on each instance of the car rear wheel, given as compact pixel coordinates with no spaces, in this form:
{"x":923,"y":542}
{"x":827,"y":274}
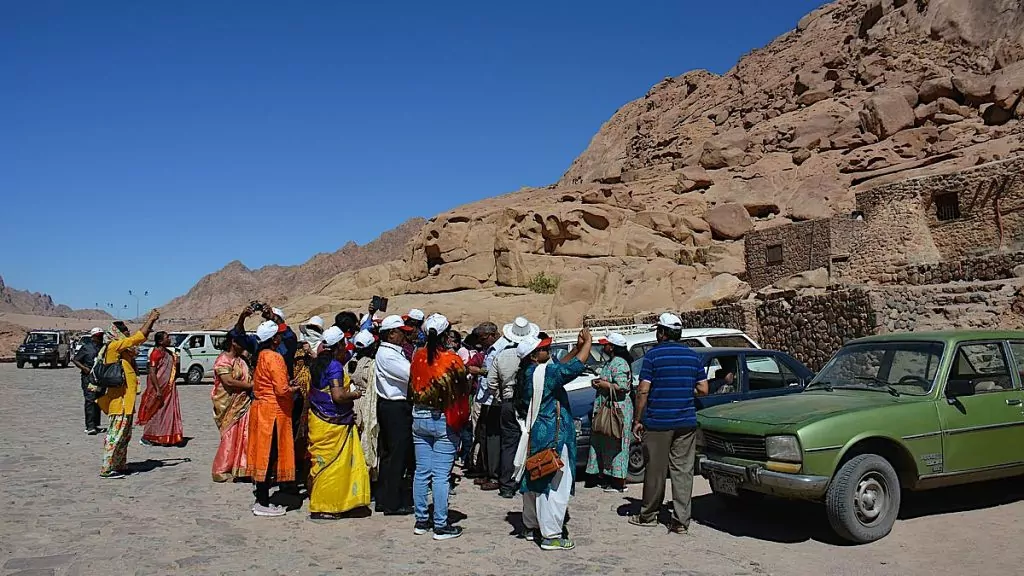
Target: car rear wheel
{"x":195,"y":375}
{"x":637,"y":461}
{"x":863,"y":499}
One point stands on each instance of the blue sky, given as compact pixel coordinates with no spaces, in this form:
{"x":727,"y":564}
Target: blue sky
{"x":170,"y":133}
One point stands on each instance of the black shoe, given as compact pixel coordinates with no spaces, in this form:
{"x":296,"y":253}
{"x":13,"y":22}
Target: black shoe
{"x":422,"y":528}
{"x":507,"y":493}
{"x":378,"y":508}
{"x":403,"y":511}
{"x":447,"y":532}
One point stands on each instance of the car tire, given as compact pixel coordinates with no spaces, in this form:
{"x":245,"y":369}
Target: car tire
{"x":21,"y":363}
{"x":637,"y":462}
{"x":195,"y":375}
{"x":863,"y":499}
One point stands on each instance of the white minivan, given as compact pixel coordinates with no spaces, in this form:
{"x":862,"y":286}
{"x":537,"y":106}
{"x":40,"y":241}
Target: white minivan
{"x":197,"y":351}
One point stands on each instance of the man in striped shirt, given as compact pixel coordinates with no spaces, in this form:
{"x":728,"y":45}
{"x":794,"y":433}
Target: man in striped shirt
{"x":671,"y":378}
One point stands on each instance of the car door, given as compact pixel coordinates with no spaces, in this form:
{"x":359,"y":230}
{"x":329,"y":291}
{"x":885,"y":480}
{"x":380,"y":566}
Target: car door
{"x":981,"y":413}
{"x":768,"y":375}
{"x":721,"y":388}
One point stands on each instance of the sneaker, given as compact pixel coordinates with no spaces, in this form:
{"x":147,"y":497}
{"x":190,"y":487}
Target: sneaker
{"x":447,"y":532}
{"x":557,"y":544}
{"x":91,"y":431}
{"x":422,"y":527}
{"x":271,"y":511}
{"x":528,"y":534}
{"x":145,"y":442}
{"x":611,"y":489}
{"x":403,"y":511}
{"x":115,"y":475}
{"x":509,"y":494}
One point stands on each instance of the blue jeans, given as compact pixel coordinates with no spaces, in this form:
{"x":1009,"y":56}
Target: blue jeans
{"x":435,"y":443}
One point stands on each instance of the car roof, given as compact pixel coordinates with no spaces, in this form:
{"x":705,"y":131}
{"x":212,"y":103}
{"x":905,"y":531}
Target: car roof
{"x":197,"y":332}
{"x":946,"y":336}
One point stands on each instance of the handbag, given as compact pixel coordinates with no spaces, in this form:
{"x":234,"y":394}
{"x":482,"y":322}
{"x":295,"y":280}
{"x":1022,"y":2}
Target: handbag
{"x":107,"y":375}
{"x":546,"y":462}
{"x":609,"y":420}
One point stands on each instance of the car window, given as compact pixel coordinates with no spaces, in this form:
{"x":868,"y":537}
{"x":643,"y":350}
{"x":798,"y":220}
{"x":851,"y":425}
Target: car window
{"x":905,"y":367}
{"x":197,"y":341}
{"x":1017,"y":349}
{"x":734,"y":341}
{"x":984,"y":365}
{"x":723,"y":374}
{"x":559,"y":351}
{"x":41,"y":338}
{"x":219,"y":341}
{"x":766,"y":373}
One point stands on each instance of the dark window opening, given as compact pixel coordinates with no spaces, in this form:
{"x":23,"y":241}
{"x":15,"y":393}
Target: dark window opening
{"x":947,"y":207}
{"x":775,"y":254}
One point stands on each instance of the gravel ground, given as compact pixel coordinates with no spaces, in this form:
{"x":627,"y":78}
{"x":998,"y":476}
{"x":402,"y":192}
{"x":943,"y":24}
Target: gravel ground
{"x":60,"y":518}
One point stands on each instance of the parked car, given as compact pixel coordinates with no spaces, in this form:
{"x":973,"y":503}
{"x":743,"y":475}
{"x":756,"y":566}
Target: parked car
{"x":51,"y":347}
{"x":142,"y":359}
{"x":887,"y":413}
{"x":734,"y":375}
{"x":197,"y":351}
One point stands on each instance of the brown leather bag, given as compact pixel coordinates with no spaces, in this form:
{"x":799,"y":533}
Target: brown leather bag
{"x":609,"y":420}
{"x":546,"y":462}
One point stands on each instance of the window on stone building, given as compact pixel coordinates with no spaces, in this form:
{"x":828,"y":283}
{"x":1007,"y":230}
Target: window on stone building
{"x":947,"y":206}
{"x":775,"y":254}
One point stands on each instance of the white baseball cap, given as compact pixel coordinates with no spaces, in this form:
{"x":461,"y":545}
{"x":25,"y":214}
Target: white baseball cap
{"x":394,"y":322}
{"x":436,"y":322}
{"x":364,"y":339}
{"x":332,"y":336}
{"x":266,"y":330}
{"x":529,"y":344}
{"x":613,"y":338}
{"x":670,"y":321}
{"x":278,"y":312}
{"x":314,"y":321}
{"x":415,"y":314}
{"x":95,"y":331}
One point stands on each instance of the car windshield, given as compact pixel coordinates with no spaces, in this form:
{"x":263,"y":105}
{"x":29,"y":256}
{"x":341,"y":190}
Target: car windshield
{"x":559,"y":350}
{"x":894,"y":367}
{"x":41,"y":338}
{"x":177,"y":339}
{"x":729,"y":342}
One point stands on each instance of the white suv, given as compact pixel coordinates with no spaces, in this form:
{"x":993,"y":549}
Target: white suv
{"x":197,"y":351}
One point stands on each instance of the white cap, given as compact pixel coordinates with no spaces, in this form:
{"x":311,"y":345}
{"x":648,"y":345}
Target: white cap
{"x":670,"y":321}
{"x":519,"y":329}
{"x":614,"y":338}
{"x":392,"y":322}
{"x":527,"y":346}
{"x":332,"y":336}
{"x":364,"y":339}
{"x":278,"y":312}
{"x":416,"y":314}
{"x":266,"y":330}
{"x":314,"y":321}
{"x":95,"y":331}
{"x":436,"y":322}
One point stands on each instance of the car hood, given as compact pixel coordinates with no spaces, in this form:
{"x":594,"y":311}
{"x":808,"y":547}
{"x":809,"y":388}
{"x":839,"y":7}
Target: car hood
{"x":800,"y":408}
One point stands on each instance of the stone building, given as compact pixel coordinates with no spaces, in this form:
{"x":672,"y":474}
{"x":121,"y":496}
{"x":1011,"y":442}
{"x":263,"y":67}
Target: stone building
{"x":780,"y":252}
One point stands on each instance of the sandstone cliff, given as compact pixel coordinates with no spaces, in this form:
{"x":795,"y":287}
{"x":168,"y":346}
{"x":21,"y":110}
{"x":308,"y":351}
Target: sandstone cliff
{"x":652,"y":214}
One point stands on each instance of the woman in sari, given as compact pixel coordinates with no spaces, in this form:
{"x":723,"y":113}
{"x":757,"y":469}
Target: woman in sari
{"x":160,"y":409}
{"x":609,"y":456}
{"x":339,"y":480}
{"x":542,"y":404}
{"x":231,"y":400}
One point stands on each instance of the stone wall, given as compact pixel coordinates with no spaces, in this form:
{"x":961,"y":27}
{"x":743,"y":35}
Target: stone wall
{"x":979,"y":306}
{"x":978,"y":269}
{"x":804,"y":246}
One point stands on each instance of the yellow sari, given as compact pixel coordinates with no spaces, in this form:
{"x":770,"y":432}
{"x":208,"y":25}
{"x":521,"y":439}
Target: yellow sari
{"x":339,"y":479}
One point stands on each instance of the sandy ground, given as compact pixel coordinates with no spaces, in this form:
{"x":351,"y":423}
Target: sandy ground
{"x":59,"y":518}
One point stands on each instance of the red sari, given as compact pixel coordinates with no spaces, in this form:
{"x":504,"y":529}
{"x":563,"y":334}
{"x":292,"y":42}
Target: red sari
{"x":160,"y":410}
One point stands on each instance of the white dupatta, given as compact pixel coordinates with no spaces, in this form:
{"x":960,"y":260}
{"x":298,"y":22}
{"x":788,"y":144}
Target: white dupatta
{"x":526,"y":425}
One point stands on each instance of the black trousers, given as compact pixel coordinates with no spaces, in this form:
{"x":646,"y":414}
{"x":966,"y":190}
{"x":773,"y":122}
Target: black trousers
{"x":263,"y":488}
{"x":394,"y":447}
{"x":510,"y":433}
{"x":491,"y":443}
{"x":92,"y":410}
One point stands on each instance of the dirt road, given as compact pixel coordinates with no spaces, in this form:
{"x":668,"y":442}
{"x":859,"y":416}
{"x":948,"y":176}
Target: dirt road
{"x":60,"y":518}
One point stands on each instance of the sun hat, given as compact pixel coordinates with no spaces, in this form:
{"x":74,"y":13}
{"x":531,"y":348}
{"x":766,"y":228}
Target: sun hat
{"x":278,"y":312}
{"x":613,"y":338}
{"x":314,"y":321}
{"x":519,"y":329}
{"x":530,"y":344}
{"x":95,"y":331}
{"x":394,"y":322}
{"x":332,"y":336}
{"x":436,"y":322}
{"x":267,"y":330}
{"x":414,"y":314}
{"x":670,"y":321}
{"x":364,"y":339}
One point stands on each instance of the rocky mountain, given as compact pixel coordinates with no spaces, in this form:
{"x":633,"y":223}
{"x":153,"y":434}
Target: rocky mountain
{"x":230,"y":288}
{"x":653,"y":213}
{"x":38,"y":304}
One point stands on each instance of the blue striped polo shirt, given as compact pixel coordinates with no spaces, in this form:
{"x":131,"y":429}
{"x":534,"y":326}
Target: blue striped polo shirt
{"x":673,"y":370}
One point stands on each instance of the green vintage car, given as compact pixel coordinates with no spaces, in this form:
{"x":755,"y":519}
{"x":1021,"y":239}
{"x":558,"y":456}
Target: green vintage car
{"x":908,"y":411}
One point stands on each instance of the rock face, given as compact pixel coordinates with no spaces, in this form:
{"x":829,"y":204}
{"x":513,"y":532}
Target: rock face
{"x":652,"y":213}
{"x":37,"y":304}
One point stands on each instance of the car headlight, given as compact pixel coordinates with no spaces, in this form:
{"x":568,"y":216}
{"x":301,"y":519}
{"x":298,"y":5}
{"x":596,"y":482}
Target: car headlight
{"x":784,"y":448}
{"x":578,"y":424}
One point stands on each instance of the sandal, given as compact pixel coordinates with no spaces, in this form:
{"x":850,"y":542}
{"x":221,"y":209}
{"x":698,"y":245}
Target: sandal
{"x":637,"y":521}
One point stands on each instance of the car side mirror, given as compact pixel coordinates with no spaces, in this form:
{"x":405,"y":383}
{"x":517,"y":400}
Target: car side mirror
{"x":957,"y":388}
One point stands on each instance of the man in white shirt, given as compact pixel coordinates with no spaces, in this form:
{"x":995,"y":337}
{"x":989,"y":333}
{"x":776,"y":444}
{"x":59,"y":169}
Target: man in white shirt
{"x":488,"y":430}
{"x":394,"y":415}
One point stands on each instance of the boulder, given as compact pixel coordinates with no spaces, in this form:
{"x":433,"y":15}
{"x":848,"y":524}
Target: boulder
{"x":700,"y":178}
{"x":975,"y":89}
{"x":1018,"y":272}
{"x":809,"y":279}
{"x":800,"y":156}
{"x":813,"y":97}
{"x":729,"y":221}
{"x":886,"y":114}
{"x":935,"y":88}
{"x":996,"y":115}
{"x":722,"y":289}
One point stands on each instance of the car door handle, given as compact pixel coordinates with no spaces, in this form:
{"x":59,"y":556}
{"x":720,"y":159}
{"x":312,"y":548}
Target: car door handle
{"x":1014,"y":402}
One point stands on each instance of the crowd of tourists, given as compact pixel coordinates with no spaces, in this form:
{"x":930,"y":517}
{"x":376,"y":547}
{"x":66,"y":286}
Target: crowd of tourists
{"x":375,"y":413}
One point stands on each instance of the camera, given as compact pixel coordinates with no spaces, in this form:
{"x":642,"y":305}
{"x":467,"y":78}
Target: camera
{"x":379,"y":303}
{"x":257,"y":306}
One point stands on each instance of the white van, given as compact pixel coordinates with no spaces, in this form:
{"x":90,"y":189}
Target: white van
{"x":197,"y":351}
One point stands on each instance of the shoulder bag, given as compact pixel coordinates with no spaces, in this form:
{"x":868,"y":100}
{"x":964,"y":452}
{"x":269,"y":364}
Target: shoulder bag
{"x":609,"y":420}
{"x":546,"y":462}
{"x":107,"y":375}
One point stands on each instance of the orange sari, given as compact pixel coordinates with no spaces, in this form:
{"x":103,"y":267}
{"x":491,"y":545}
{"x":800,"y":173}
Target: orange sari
{"x":270,"y":417}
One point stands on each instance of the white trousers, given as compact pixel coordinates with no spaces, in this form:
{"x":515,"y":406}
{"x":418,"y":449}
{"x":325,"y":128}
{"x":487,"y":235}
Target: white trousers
{"x":546,"y":512}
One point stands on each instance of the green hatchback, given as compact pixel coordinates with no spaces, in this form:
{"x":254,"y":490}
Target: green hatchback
{"x":910,"y":411}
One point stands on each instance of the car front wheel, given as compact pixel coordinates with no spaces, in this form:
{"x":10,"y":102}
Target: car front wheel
{"x":637,"y":461}
{"x":195,"y":375}
{"x":21,"y":363}
{"x":863,"y":499}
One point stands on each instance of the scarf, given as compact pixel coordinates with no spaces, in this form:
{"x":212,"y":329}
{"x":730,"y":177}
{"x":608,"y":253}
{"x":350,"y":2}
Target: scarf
{"x":522,"y":451}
